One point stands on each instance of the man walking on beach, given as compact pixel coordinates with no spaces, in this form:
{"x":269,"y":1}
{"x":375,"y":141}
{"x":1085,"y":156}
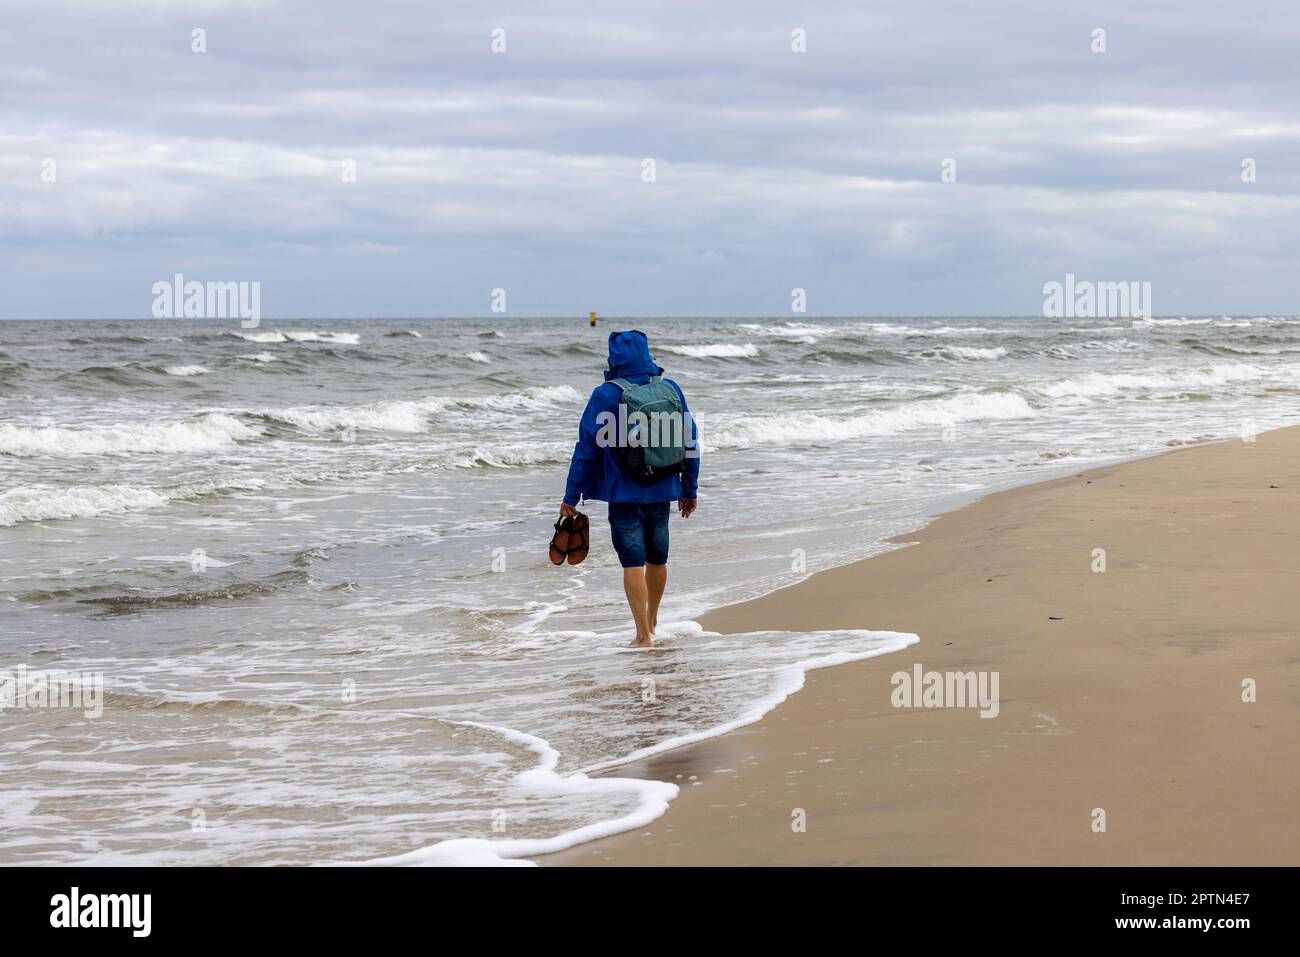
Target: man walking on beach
{"x":638,"y":450}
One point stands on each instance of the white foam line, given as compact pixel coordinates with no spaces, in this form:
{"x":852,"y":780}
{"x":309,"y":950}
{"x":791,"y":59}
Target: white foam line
{"x":790,"y":679}
{"x":480,"y":852}
{"x":654,"y":795}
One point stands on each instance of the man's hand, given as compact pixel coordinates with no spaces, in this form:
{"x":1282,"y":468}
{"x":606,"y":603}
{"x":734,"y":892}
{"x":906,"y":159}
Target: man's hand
{"x":686,"y":506}
{"x":567,"y":511}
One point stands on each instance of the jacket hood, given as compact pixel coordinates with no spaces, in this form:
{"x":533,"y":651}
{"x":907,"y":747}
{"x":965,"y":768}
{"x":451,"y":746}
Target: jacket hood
{"x":629,"y":355}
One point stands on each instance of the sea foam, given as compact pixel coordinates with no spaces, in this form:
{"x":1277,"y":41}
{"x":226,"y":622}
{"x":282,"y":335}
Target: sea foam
{"x":817,"y":428}
{"x":415,"y":415}
{"x":276,"y":336}
{"x":41,"y":503}
{"x":1100,"y":384}
{"x":652,"y":797}
{"x":205,"y":433}
{"x":715,"y":350}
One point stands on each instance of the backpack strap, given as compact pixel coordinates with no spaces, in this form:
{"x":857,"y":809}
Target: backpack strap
{"x":625,"y":385}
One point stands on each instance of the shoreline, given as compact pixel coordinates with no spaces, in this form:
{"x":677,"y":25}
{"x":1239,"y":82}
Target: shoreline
{"x":1096,"y":673}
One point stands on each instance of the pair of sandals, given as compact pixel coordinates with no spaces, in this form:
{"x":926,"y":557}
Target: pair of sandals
{"x":572,"y":539}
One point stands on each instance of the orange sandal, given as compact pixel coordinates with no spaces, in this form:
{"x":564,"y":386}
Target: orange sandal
{"x":580,"y":540}
{"x":559,"y":550}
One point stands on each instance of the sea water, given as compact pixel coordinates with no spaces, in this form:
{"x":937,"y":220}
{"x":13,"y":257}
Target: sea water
{"x":309,"y":559}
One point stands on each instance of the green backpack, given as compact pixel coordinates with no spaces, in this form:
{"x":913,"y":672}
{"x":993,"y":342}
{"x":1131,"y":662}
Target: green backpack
{"x":651,"y":418}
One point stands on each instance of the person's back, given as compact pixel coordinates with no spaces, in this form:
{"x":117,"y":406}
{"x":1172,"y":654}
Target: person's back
{"x":639,"y":496}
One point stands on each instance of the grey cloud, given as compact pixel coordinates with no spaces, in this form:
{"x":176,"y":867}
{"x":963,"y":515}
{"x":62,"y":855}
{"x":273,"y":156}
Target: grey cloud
{"x":522,"y":170}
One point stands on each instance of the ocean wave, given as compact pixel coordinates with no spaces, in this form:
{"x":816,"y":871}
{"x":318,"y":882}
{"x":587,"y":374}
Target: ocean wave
{"x":1057,"y":352}
{"x":413,"y":415}
{"x":398,"y":333}
{"x":42,"y":503}
{"x":968,"y":353}
{"x":337,"y":338}
{"x":391,"y":415}
{"x":1113,"y":345}
{"x":1099,"y":384}
{"x":118,"y":340}
{"x":716,"y":350}
{"x":1244,"y":346}
{"x":820,"y":429}
{"x":874,"y":357}
{"x":259,"y":357}
{"x":1191,"y":440}
{"x":537,"y":398}
{"x":1181,"y":321}
{"x":968,"y":330}
{"x":568,"y":349}
{"x":480,"y":357}
{"x":128,"y":375}
{"x":193,"y":701}
{"x":187,"y":558}
{"x":205,"y":433}
{"x":582,"y":349}
{"x":804,"y":333}
{"x":513,"y":456}
{"x":136,"y":601}
{"x":902,"y":329}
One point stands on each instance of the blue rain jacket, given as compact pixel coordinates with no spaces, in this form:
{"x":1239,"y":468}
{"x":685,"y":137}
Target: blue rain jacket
{"x":594,"y":471}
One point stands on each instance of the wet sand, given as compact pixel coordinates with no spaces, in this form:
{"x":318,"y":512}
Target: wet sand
{"x":1120,"y":690}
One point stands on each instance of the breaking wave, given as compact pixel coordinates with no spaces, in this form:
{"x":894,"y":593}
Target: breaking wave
{"x":1099,"y":384}
{"x":817,"y":429}
{"x":414,"y":415}
{"x":716,"y":350}
{"x":337,"y":338}
{"x":205,"y":433}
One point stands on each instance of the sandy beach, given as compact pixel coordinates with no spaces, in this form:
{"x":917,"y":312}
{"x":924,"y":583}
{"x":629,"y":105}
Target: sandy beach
{"x":1120,"y":690}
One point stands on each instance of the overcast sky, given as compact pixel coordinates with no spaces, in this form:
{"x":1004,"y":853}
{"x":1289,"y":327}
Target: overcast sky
{"x":523,"y":170}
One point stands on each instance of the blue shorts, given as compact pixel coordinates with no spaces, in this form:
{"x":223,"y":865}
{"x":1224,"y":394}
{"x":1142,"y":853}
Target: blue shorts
{"x":640,"y":532}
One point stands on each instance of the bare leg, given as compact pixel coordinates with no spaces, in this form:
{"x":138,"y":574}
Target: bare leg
{"x":635,"y":589}
{"x":656,"y":577}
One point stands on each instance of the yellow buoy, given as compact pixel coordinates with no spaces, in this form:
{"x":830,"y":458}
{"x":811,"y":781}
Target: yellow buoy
{"x":593,"y":320}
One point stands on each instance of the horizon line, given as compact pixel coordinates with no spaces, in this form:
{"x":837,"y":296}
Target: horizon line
{"x":583,"y":317}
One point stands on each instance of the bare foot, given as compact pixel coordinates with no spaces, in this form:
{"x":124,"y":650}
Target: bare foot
{"x":641,"y":643}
